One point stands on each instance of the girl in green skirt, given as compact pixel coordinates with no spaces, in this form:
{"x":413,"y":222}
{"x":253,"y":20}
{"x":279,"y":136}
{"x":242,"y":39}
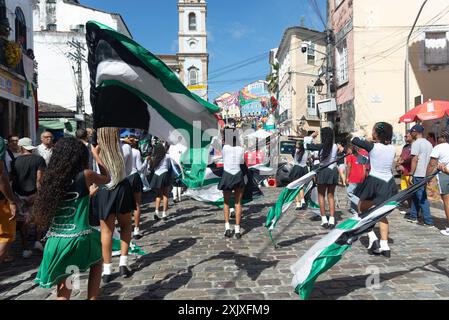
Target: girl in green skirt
{"x":62,"y":205}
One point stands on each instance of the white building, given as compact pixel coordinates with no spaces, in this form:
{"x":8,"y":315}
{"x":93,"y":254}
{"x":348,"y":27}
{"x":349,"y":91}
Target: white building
{"x":17,"y":105}
{"x":55,"y":23}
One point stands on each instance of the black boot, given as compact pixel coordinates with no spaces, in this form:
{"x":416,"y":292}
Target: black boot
{"x":106,"y":278}
{"x":375,"y":247}
{"x":228,"y":233}
{"x":125,"y":272}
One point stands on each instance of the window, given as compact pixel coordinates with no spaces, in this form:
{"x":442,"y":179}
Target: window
{"x":51,"y":27}
{"x":192,"y":22}
{"x":311,"y":54}
{"x":311,"y":105}
{"x":342,"y":63}
{"x":21,"y":28}
{"x":193,"y":76}
{"x":436,"y":48}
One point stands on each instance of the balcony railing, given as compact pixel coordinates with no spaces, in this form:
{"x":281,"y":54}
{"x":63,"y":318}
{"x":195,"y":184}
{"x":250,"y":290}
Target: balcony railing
{"x":284,"y":116}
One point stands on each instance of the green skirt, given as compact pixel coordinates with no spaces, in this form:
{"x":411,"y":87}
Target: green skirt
{"x":63,"y":256}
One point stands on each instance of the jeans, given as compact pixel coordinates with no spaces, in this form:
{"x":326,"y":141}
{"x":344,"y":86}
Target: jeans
{"x":419,"y":201}
{"x":352,"y":197}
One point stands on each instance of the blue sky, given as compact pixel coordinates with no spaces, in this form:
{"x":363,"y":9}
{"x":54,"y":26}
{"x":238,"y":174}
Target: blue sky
{"x":238,"y":30}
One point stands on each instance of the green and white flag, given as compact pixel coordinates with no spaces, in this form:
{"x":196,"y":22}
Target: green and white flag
{"x":132,"y":88}
{"x":330,"y":249}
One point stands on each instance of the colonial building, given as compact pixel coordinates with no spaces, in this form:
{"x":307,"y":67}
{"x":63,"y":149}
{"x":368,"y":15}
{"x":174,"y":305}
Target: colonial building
{"x":17,"y":69}
{"x":57,"y":22}
{"x":191,"y":63}
{"x":370,"y":59}
{"x":297,"y":75}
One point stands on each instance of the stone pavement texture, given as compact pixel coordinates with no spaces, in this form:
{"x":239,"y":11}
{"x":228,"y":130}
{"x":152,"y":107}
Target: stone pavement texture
{"x":189,"y":259}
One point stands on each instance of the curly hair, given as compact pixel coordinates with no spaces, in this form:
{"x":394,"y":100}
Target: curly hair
{"x":70,"y":157}
{"x":384,"y":132}
{"x":327,"y":139}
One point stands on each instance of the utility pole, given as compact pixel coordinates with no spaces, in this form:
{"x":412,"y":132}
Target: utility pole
{"x":78,"y":57}
{"x":329,"y":63}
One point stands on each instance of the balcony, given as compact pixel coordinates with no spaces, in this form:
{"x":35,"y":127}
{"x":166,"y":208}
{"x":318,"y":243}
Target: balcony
{"x":285,"y":116}
{"x":19,"y":69}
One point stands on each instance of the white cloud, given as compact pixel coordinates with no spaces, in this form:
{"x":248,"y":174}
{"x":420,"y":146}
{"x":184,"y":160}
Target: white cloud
{"x":174,"y":46}
{"x":239,"y":31}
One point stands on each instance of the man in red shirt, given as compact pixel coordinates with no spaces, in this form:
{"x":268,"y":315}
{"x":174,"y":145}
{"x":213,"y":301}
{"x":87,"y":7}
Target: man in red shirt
{"x":356,"y":174}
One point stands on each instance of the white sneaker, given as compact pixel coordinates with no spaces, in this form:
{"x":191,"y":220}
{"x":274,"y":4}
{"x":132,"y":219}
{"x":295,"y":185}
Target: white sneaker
{"x":38,"y":246}
{"x":402,"y":212}
{"x":27,"y":253}
{"x":445,"y":232}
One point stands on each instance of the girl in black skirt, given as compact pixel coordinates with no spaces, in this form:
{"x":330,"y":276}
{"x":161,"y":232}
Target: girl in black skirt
{"x":300,"y":169}
{"x":160,"y":164}
{"x":233,"y":179}
{"x":380,"y":184}
{"x":327,"y":179}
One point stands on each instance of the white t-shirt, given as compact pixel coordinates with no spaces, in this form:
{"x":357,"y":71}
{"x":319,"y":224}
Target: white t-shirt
{"x":441,"y":153}
{"x":44,"y":152}
{"x":128,"y":156}
{"x":331,"y":158}
{"x":382,"y":161}
{"x":163,"y":166}
{"x":423,"y":149}
{"x":303,"y":161}
{"x":138,"y":166}
{"x":233,"y":157}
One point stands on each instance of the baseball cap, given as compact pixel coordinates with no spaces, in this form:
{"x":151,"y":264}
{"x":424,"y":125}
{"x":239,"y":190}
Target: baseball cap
{"x":417,"y":128}
{"x":27,"y":144}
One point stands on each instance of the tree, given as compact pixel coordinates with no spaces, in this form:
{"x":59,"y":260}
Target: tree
{"x":273,"y":79}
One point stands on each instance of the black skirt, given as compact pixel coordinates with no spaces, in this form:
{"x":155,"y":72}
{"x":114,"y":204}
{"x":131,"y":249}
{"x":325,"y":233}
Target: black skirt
{"x":159,"y":182}
{"x":135,"y":182}
{"x":298,"y":172}
{"x":327,"y":176}
{"x":230,"y":182}
{"x":376,"y":190}
{"x":119,"y":200}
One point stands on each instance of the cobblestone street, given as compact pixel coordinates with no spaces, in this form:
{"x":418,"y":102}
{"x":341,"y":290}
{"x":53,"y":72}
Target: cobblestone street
{"x":189,"y":258}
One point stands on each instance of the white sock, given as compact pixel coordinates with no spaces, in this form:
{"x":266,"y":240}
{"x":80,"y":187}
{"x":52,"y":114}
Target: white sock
{"x":331,"y":220}
{"x":298,"y":205}
{"x":384,"y":245}
{"x":136,"y":230}
{"x":237,"y":229}
{"x":324,"y":220}
{"x":123,"y":261}
{"x":156,"y":212}
{"x":107,"y":268}
{"x":372,"y":237}
{"x":227,"y":226}
{"x":303,"y":202}
{"x":164,"y":214}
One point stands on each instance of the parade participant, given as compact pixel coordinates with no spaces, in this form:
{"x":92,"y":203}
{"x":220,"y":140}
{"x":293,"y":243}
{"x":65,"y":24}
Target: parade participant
{"x":8,"y":208}
{"x":26,"y":174}
{"x":114,"y":201}
{"x":379,"y":185}
{"x":45,"y":149}
{"x":341,"y":164}
{"x":327,"y":179}
{"x":233,"y":178}
{"x":175,"y":153}
{"x":160,"y":164}
{"x":300,"y":158}
{"x":136,"y":183}
{"x":62,"y":205}
{"x":404,"y":166}
{"x":356,"y":175}
{"x":13,"y":150}
{"x":440,"y":157}
{"x":420,"y":153}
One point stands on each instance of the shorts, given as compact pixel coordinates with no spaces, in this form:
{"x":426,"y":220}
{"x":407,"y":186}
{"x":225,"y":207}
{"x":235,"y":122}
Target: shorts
{"x":7,"y":227}
{"x":443,"y":183}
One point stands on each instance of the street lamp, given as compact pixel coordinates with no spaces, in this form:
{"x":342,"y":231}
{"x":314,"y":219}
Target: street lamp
{"x":319,"y":85}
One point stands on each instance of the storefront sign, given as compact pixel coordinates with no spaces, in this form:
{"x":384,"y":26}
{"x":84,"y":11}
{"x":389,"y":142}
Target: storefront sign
{"x":11,"y":85}
{"x":327,"y":106}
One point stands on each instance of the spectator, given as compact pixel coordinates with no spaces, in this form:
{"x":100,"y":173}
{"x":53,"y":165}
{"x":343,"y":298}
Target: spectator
{"x":356,"y":174}
{"x":83,"y":136}
{"x":432,"y":139}
{"x":13,"y":150}
{"x":45,"y":149}
{"x":440,"y":157}
{"x":404,"y":167}
{"x":26,"y":174}
{"x":420,"y":152}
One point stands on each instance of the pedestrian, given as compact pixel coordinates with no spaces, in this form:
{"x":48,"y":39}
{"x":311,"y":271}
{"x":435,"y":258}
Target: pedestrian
{"x":404,"y":167}
{"x":114,"y":201}
{"x":26,"y":175}
{"x":8,"y":207}
{"x":160,"y":165}
{"x":439,"y":158}
{"x":136,"y":184}
{"x":300,"y":158}
{"x":83,"y":136}
{"x":45,"y":149}
{"x":233,"y":179}
{"x":62,"y":205}
{"x":341,"y":164}
{"x":420,"y":153}
{"x":327,"y":179}
{"x":13,"y":151}
{"x":432,"y":139}
{"x":380,"y":185}
{"x":356,"y":175}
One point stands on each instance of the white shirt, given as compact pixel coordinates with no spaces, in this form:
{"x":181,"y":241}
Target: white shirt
{"x":44,"y":152}
{"x":138,"y":166}
{"x":128,"y":156}
{"x":163,"y":166}
{"x":441,"y":153}
{"x":233,"y":157}
{"x":303,"y":161}
{"x":382,"y":161}
{"x":331,"y":158}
